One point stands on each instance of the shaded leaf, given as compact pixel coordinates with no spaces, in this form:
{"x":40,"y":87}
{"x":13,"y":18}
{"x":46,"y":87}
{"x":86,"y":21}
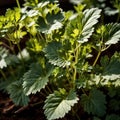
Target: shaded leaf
{"x":113,"y":34}
{"x":112,"y":69}
{"x":112,"y":117}
{"x":94,"y":103}
{"x":17,"y":93}
{"x":36,"y":78}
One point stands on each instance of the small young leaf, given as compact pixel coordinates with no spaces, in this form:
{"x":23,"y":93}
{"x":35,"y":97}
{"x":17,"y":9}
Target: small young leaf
{"x":94,"y":103}
{"x":59,"y":103}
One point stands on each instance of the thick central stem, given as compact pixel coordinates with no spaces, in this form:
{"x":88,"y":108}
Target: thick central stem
{"x":76,"y":54}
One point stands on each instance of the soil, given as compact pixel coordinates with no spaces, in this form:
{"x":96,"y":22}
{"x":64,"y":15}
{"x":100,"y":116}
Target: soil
{"x":33,"y":111}
{"x":9,"y":111}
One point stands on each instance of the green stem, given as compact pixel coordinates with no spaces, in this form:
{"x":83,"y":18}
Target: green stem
{"x":98,"y":55}
{"x":3,"y":74}
{"x":18,"y":4}
{"x":22,"y":59}
{"x":118,"y":17}
{"x":10,"y":44}
{"x":76,"y":54}
{"x":48,"y":89}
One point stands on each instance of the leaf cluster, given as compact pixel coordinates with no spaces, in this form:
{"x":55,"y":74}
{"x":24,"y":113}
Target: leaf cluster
{"x":63,"y":56}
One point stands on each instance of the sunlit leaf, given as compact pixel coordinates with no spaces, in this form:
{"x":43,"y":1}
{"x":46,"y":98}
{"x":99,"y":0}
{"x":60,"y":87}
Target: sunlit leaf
{"x":59,"y":103}
{"x":52,"y":52}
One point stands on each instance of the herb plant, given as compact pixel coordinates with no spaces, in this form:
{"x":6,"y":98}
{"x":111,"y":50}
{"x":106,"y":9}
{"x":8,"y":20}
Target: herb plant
{"x":62,"y":56}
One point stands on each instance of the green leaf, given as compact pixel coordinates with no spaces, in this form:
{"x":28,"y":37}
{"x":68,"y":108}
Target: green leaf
{"x":113,"y":33}
{"x":94,"y":103}
{"x":51,"y":21}
{"x":17,"y":94}
{"x":88,"y":21}
{"x":59,"y":103}
{"x":36,"y":78}
{"x":112,"y":117}
{"x":53,"y":53}
{"x":83,"y":23}
{"x":112,"y":69}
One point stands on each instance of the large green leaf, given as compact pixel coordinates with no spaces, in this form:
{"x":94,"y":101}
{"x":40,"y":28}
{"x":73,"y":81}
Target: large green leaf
{"x":90,"y":18}
{"x":51,"y":19}
{"x":36,"y":78}
{"x":53,"y":53}
{"x":59,"y":103}
{"x":81,"y":25}
{"x":17,"y":94}
{"x":94,"y":103}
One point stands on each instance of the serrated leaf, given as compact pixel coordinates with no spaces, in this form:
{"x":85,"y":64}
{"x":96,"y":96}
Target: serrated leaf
{"x":51,"y":22}
{"x":52,"y":52}
{"x":113,"y":34}
{"x":83,"y":23}
{"x":17,"y":94}
{"x":94,"y":103}
{"x":59,"y":103}
{"x":89,"y":20}
{"x":112,"y":70}
{"x":36,"y":78}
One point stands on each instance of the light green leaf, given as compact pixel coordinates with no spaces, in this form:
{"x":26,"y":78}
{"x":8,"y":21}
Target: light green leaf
{"x":17,"y":94}
{"x":59,"y":103}
{"x":53,"y":53}
{"x":36,"y":78}
{"x":94,"y":103}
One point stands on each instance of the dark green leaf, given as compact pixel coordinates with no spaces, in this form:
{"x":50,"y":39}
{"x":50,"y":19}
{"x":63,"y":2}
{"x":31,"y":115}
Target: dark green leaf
{"x":112,"y":117}
{"x":112,"y":70}
{"x":36,"y":78}
{"x":94,"y":103}
{"x":17,"y":94}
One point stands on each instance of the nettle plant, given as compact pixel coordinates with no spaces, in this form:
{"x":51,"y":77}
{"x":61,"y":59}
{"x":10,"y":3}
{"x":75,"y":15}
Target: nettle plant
{"x":62,"y":56}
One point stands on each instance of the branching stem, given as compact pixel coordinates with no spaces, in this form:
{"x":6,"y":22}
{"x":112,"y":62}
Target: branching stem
{"x":98,"y":55}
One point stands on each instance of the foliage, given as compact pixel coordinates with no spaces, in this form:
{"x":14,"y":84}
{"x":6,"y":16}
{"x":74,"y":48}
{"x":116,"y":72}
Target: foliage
{"x":65,"y":54}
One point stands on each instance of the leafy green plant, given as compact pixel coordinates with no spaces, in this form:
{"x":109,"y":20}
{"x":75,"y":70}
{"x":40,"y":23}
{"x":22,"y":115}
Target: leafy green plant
{"x":64,"y":58}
